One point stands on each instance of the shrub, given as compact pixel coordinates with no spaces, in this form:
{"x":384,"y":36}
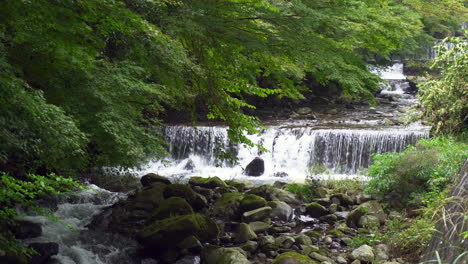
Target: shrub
{"x":416,"y":175}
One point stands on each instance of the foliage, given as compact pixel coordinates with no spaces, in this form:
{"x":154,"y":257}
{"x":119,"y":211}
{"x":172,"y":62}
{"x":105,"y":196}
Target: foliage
{"x":25,"y":192}
{"x":303,"y":191}
{"x":417,"y":174}
{"x":445,"y":98}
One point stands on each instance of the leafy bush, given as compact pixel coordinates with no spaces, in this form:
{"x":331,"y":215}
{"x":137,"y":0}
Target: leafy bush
{"x":417,"y":174}
{"x":25,"y":192}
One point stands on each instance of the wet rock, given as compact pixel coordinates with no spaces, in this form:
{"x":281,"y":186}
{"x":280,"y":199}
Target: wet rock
{"x":251,"y":202}
{"x":26,"y":229}
{"x":281,"y":210}
{"x":264,"y":240}
{"x":344,"y":199}
{"x":333,"y":208}
{"x":341,"y":215}
{"x":45,"y":252}
{"x":172,"y":207}
{"x":228,"y":205}
{"x":363,"y":253}
{"x":257,"y":214}
{"x":271,"y":193}
{"x":151,"y":178}
{"x":211,"y":182}
{"x":314,"y":235}
{"x":244,"y":233}
{"x":356,"y":261}
{"x":321,"y":192}
{"x":259,"y":226}
{"x":279,"y":229}
{"x":284,"y":241}
{"x":341,"y":260}
{"x":335,"y":233}
{"x":316,"y":210}
{"x":224,"y":256}
{"x":255,"y":168}
{"x":362,"y":198}
{"x":280,"y":174}
{"x":319,"y":257}
{"x":241,"y":186}
{"x":188,"y":260}
{"x":367,"y":208}
{"x":306,"y":250}
{"x":330,"y":219}
{"x":190,"y":244}
{"x":293,"y":258}
{"x":323,"y":201}
{"x":250,"y":246}
{"x":152,"y":196}
{"x":171,"y":231}
{"x":190,"y":165}
{"x":327,"y":240}
{"x":206,"y":192}
{"x":196,"y":200}
{"x":369,"y":221}
{"x":302,"y":240}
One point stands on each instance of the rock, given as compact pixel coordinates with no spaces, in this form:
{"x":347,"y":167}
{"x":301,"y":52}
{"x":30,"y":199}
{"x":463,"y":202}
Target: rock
{"x":368,"y":221}
{"x":251,"y":202}
{"x":280,"y":174}
{"x":314,"y":235}
{"x":302,"y":240}
{"x":257,"y":214}
{"x":211,"y":182}
{"x":171,"y":231}
{"x":244,"y":233}
{"x":250,"y":246}
{"x":265,"y":240}
{"x":319,"y":257}
{"x":259,"y":226}
{"x":280,"y":210}
{"x":206,"y":192}
{"x":228,"y":205}
{"x":327,"y":240}
{"x":316,"y":210}
{"x":330,"y":218}
{"x":25,"y":229}
{"x":172,"y":207}
{"x":293,"y":258}
{"x":151,"y":178}
{"x":271,"y":193}
{"x":152,"y":196}
{"x":363,"y":253}
{"x":347,"y":240}
{"x":341,"y":215}
{"x":395,"y":215}
{"x":223,"y":256}
{"x":362,"y":198}
{"x":333,"y":208}
{"x":321,"y":192}
{"x":344,"y":199}
{"x":186,"y":260}
{"x":196,"y":200}
{"x":255,"y":168}
{"x":304,"y":110}
{"x":335,"y":233}
{"x":191,"y":244}
{"x":356,"y":261}
{"x":279,"y":229}
{"x":190,"y":165}
{"x":381,"y":252}
{"x":284,"y":241}
{"x":341,"y":260}
{"x":241,"y":186}
{"x":44,"y":250}
{"x":367,"y":208}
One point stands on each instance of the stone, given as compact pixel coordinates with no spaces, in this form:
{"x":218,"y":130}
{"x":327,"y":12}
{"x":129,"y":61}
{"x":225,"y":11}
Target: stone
{"x":211,"y":182}
{"x":172,"y":207}
{"x":304,"y":110}
{"x":363,"y":253}
{"x":279,"y":229}
{"x":381,"y":252}
{"x":240,"y":186}
{"x":250,"y":246}
{"x":293,"y":258}
{"x":368,"y":221}
{"x":152,"y":196}
{"x":171,"y":231}
{"x":190,"y":165}
{"x":280,"y":210}
{"x":151,"y":178}
{"x":257,"y":214}
{"x":341,"y":260}
{"x":356,"y":261}
{"x":395,"y":215}
{"x":367,"y":208}
{"x":271,"y":193}
{"x":228,"y":205}
{"x":303,"y":240}
{"x":45,"y":252}
{"x":316,"y":210}
{"x":319,"y":257}
{"x":333,"y":208}
{"x":347,"y":240}
{"x":25,"y":229}
{"x":314,"y":235}
{"x":330,"y":218}
{"x":251,"y":202}
{"x":284,"y":241}
{"x":345,"y":200}
{"x":191,"y":244}
{"x":255,"y":168}
{"x":306,"y":250}
{"x":335,"y":233}
{"x":321,"y":192}
{"x":259,"y":226}
{"x":196,"y":200}
{"x":223,"y":256}
{"x":264,"y":240}
{"x":362,"y":198}
{"x":187,"y":260}
{"x":244,"y":233}
{"x":327,"y":240}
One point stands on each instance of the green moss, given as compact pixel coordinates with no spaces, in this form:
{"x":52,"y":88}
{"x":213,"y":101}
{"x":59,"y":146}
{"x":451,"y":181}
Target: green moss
{"x":211,"y":182}
{"x":228,"y":205}
{"x":315,"y":210}
{"x":153,"y":195}
{"x":314,"y":235}
{"x":251,"y":202}
{"x":172,"y":207}
{"x":335,"y":233}
{"x":293,"y":257}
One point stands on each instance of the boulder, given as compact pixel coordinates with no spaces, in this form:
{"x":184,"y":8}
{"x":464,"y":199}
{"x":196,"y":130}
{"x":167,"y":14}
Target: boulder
{"x":168,"y":233}
{"x":172,"y":207}
{"x":302,"y":240}
{"x":250,"y":246}
{"x":251,"y":202}
{"x":196,"y":200}
{"x":228,"y":205}
{"x":314,"y":235}
{"x":259,"y":226}
{"x":265,"y":240}
{"x":363,"y":253}
{"x":293,"y":258}
{"x":241,"y":186}
{"x":345,"y":200}
{"x":255,"y":168}
{"x":320,"y":257}
{"x":190,"y":165}
{"x":152,"y":196}
{"x":190,"y":245}
{"x":284,"y":241}
{"x":368,"y":221}
{"x":316,"y":210}
{"x":271,"y":193}
{"x":25,"y":229}
{"x":211,"y":182}
{"x":367,"y":208}
{"x":244,"y":233}
{"x":257,"y":214}
{"x":151,"y":178}
{"x":280,"y":210}
{"x":223,"y":256}
{"x":44,"y":252}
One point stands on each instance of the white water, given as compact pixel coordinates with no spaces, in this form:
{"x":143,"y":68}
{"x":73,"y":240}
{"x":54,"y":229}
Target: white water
{"x":394,"y":72}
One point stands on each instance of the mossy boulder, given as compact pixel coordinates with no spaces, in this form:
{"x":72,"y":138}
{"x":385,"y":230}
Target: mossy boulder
{"x":239,"y":185}
{"x":228,"y":205}
{"x":224,"y":256}
{"x":344,"y":199}
{"x":154,"y":195}
{"x":335,"y":233}
{"x":280,"y":210}
{"x":314,"y":235}
{"x":151,"y":178}
{"x":257,"y":214}
{"x":172,"y":207}
{"x":211,"y":182}
{"x":251,"y":202}
{"x":316,"y":210}
{"x":244,"y":233}
{"x":259,"y":226}
{"x":196,"y":200}
{"x":293,"y":258}
{"x":168,"y":233}
{"x":271,"y":193}
{"x":369,"y":221}
{"x":368,"y":208}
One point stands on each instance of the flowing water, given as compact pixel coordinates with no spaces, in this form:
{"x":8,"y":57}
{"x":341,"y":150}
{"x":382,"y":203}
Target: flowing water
{"x":338,"y":144}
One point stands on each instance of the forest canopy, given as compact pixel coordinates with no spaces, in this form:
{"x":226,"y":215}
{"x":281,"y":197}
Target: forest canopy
{"x":84,"y":83}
